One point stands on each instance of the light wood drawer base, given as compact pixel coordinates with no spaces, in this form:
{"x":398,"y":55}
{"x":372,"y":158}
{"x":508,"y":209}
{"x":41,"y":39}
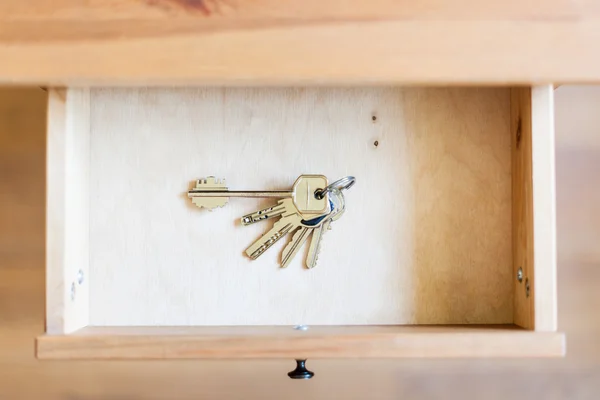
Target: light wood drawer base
{"x":317,"y":342}
{"x":447,"y":247}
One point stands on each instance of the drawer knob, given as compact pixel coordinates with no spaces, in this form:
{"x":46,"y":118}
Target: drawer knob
{"x":301,"y":372}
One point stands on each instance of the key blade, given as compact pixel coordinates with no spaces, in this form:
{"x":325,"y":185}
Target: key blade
{"x":292,"y":248}
{"x":279,"y":230}
{"x":315,"y":244}
{"x":281,"y":208}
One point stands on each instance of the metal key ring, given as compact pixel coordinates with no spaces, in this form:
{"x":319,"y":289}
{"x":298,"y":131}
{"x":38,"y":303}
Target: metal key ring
{"x":341,"y":184}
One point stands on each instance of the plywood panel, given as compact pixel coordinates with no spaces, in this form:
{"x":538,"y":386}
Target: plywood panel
{"x":320,"y":342}
{"x":522,"y":211}
{"x":534,"y":211}
{"x":67,"y":233}
{"x":544,"y":207}
{"x":440,"y":255}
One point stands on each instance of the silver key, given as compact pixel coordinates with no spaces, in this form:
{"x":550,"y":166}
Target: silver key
{"x":338,"y":208}
{"x":211,"y":193}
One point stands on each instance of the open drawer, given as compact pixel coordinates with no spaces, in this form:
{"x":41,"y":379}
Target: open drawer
{"x":446,"y":249}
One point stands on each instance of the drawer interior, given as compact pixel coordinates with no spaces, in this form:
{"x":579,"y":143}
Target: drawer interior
{"x":434,"y":232}
{"x":426,"y":238}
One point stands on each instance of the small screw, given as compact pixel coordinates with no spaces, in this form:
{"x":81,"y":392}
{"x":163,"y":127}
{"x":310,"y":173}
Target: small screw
{"x":527,"y":287}
{"x":80,"y":277}
{"x":73,"y":291}
{"x":301,"y":327}
{"x":520,"y":275}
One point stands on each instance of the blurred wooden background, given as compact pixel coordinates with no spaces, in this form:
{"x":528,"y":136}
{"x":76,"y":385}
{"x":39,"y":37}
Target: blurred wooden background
{"x":22,"y":191}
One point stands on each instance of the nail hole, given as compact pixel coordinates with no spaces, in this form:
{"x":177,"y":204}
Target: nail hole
{"x":73,"y":291}
{"x":527,"y":287}
{"x":373,"y":118}
{"x":376,"y":143}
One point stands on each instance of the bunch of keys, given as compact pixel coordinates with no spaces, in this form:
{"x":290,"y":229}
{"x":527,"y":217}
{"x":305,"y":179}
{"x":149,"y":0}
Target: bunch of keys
{"x":308,"y":208}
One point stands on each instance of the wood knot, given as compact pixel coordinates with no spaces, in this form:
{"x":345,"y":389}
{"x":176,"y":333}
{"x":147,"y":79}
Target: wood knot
{"x":205,"y":7}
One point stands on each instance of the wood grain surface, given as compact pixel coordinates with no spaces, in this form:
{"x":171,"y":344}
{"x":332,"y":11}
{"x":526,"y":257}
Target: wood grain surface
{"x":522,"y":210}
{"x":154,"y":42}
{"x":443,"y":160}
{"x":156,"y":343}
{"x":577,"y":376}
{"x":534,"y":207}
{"x":67,"y":218}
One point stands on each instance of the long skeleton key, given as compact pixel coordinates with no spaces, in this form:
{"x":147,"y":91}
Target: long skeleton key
{"x":210,"y":193}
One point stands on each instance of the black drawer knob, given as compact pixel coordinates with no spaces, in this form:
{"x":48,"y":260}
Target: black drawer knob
{"x":301,"y":372}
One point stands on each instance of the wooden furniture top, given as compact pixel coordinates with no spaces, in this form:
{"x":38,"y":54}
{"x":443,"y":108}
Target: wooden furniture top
{"x":269,"y":42}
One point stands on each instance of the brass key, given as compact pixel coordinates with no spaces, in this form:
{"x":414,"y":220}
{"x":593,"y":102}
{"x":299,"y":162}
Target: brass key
{"x":211,"y":193}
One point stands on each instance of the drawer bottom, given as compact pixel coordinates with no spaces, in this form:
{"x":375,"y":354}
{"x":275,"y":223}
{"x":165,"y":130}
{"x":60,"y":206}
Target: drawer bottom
{"x":314,"y":342}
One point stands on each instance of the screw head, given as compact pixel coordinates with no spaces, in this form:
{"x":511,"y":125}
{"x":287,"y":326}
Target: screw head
{"x":80,"y":277}
{"x":520,"y":275}
{"x":301,"y":327}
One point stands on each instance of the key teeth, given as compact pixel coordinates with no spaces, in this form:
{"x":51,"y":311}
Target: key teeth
{"x":316,"y":257}
{"x":210,"y":203}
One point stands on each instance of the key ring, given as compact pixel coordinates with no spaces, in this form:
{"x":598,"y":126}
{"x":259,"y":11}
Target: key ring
{"x":341,"y":184}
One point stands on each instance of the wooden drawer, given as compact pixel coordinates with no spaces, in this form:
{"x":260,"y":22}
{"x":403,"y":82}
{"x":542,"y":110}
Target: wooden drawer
{"x":447,"y":247}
